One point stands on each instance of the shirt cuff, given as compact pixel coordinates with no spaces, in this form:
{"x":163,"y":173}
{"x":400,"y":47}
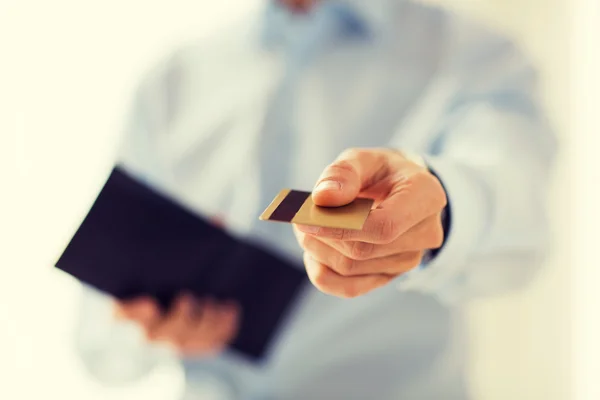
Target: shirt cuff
{"x":469,"y":207}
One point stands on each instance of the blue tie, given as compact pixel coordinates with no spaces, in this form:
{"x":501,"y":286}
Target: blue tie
{"x":302,"y":40}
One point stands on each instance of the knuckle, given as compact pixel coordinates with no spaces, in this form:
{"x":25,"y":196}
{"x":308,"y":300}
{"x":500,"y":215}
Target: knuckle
{"x":351,"y":152}
{"x":343,"y":166}
{"x":344,"y":235}
{"x":360,"y":250}
{"x":319,"y":276}
{"x":386,"y":230}
{"x":416,"y":260}
{"x":337,"y":234}
{"x":349,"y":291}
{"x":304,"y":241}
{"x":438,"y":194}
{"x":413,"y":261}
{"x":344,"y":265}
{"x":436,"y":236}
{"x":423,"y":176}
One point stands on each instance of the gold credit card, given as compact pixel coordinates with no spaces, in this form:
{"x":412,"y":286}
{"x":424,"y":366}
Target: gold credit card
{"x":297,"y":207}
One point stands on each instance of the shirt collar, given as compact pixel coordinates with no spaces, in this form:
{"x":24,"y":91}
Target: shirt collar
{"x":354,"y":18}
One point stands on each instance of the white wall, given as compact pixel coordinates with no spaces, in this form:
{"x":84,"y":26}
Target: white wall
{"x":585,"y":126}
{"x":67,"y":69}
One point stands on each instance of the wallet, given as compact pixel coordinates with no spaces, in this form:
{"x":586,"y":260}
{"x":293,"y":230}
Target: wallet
{"x":136,"y":241}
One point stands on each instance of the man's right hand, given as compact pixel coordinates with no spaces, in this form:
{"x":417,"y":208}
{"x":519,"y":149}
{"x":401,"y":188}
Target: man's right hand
{"x":194,"y":328}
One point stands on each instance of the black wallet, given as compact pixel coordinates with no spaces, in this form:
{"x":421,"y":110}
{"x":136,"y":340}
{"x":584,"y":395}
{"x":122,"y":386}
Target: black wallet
{"x":135,"y":241}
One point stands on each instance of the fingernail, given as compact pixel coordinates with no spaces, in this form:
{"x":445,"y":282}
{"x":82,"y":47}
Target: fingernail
{"x":328,"y":186}
{"x":309,"y":229}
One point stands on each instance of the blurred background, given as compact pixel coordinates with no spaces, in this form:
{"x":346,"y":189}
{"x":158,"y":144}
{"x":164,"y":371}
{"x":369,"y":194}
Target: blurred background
{"x":67,"y":71}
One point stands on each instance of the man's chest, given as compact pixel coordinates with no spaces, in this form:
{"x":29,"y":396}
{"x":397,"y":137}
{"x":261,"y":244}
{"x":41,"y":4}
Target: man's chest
{"x":245,"y":128}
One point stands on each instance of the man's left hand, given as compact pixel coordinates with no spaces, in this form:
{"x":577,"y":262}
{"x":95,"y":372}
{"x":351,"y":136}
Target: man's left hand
{"x":404,"y":223}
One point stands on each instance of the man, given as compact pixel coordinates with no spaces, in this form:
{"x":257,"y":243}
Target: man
{"x":459,"y":171}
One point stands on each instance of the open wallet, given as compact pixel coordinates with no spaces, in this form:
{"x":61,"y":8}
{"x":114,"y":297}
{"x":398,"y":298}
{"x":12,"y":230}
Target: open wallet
{"x":137,"y":242}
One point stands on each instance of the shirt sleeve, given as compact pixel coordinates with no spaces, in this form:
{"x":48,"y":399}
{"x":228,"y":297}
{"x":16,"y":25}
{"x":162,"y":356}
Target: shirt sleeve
{"x":492,"y":150}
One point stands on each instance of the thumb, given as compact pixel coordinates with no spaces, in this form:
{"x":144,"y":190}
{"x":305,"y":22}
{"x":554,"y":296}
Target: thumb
{"x":342,"y":181}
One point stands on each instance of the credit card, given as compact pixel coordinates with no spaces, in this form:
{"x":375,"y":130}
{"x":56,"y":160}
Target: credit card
{"x":297,"y":207}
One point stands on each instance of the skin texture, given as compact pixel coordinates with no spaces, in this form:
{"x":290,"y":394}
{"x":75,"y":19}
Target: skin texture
{"x":405,"y":221}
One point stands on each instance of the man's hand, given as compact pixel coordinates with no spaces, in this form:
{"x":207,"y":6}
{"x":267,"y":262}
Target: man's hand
{"x":192,"y":327}
{"x":405,"y":221}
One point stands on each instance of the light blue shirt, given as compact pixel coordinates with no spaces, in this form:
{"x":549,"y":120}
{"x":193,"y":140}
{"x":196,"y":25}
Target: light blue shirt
{"x":224,"y":125}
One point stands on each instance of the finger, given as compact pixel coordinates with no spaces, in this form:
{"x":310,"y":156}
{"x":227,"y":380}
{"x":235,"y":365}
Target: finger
{"x":341,"y":182}
{"x":413,"y":199}
{"x":207,"y":325}
{"x":143,"y":311}
{"x":177,"y":322}
{"x":134,"y":309}
{"x":299,"y":234}
{"x":229,"y":318}
{"x":428,"y":234}
{"x":330,"y":282}
{"x":218,"y":326}
{"x":345,"y":266}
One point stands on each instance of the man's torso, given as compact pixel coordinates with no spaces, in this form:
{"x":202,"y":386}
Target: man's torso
{"x":235,"y":122}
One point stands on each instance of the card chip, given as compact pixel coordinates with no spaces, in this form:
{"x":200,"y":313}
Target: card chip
{"x":296,"y":207}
